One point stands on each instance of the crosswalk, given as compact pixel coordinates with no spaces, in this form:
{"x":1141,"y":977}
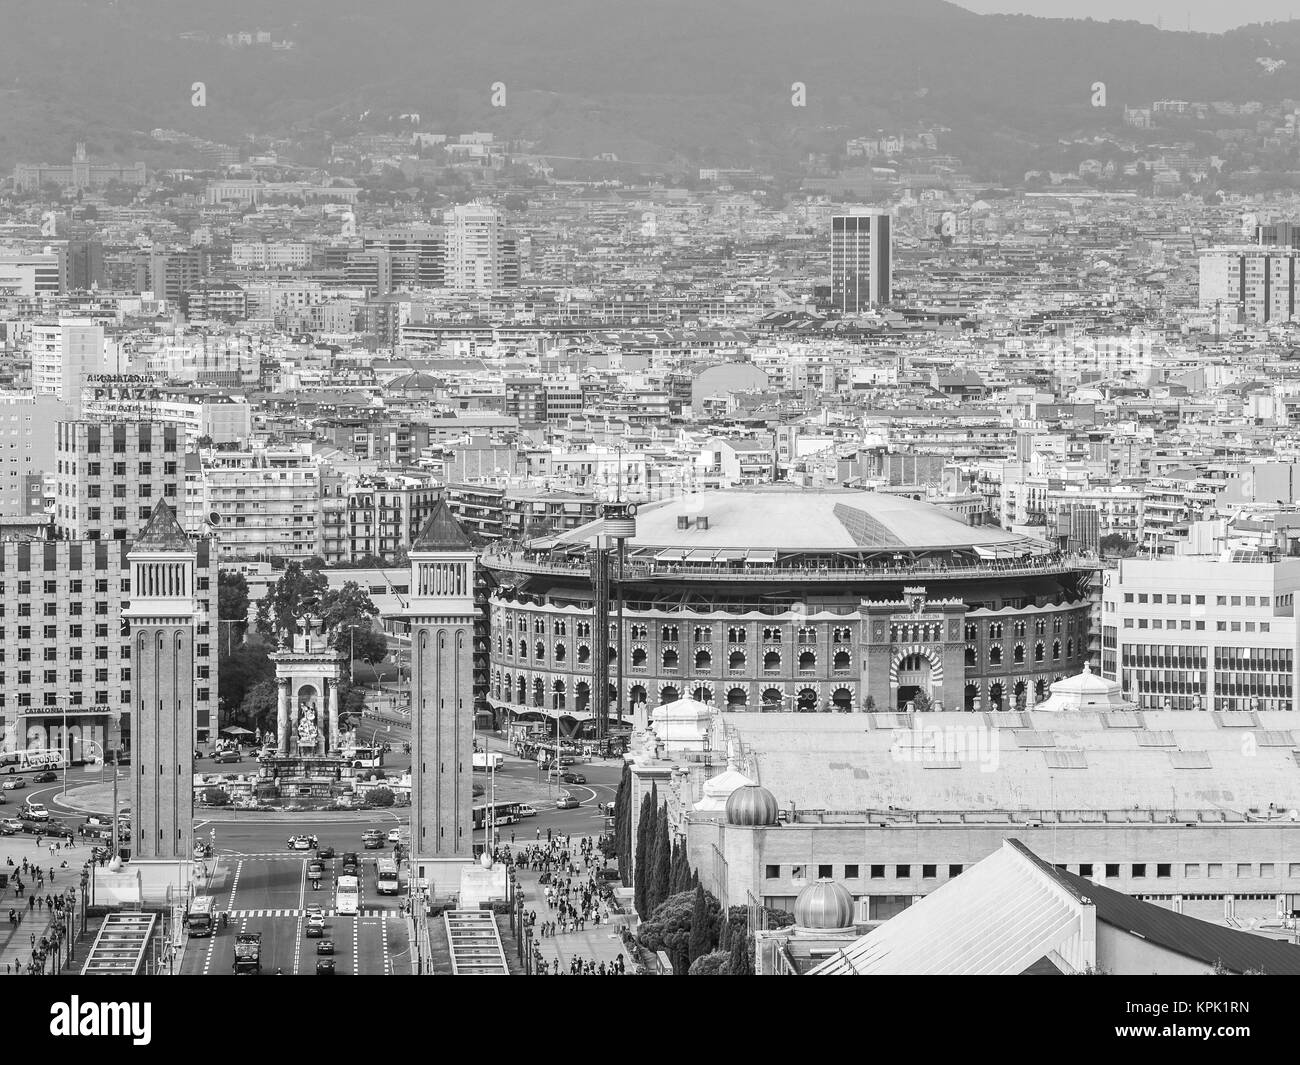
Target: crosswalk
{"x":243,"y":915}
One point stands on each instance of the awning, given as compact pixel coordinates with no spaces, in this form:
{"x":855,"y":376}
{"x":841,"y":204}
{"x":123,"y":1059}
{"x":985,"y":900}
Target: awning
{"x":729,"y":556}
{"x":674,"y":554}
{"x":701,"y":555}
{"x":765,"y":557}
{"x":986,"y":552}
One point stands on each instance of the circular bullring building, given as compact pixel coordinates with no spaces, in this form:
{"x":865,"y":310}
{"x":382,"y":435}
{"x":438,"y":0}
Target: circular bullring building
{"x":791,"y":599}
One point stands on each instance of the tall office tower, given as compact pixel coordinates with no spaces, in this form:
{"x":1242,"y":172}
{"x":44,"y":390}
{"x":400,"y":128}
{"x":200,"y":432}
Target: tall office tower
{"x":1256,"y":282}
{"x":63,"y":353}
{"x":1279,"y":234}
{"x":481,"y":255}
{"x":31,"y":274}
{"x":162,"y":616}
{"x":861,"y":259}
{"x":85,"y":265}
{"x":28,"y":427}
{"x":442,"y":613}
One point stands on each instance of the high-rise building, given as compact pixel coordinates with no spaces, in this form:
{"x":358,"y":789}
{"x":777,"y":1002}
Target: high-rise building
{"x":1279,"y":234}
{"x":110,"y":475}
{"x":481,"y":255}
{"x":442,"y":615}
{"x":267,"y":503}
{"x":1258,"y":282}
{"x":861,"y":259}
{"x":28,"y":428}
{"x":63,"y":354}
{"x":419,"y":254}
{"x":162,"y":616}
{"x":85,"y":265}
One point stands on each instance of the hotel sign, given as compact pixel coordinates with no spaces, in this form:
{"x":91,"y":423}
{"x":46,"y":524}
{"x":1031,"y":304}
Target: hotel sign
{"x":98,"y":710}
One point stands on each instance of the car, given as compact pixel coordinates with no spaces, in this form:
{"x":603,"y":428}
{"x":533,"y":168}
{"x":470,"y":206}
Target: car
{"x":325,"y":852}
{"x":395,"y":836}
{"x":524,"y":810}
{"x":565,"y":760}
{"x":568,"y":803}
{"x":573,"y":778}
{"x":221,"y":757}
{"x":302,"y":843}
{"x":13,"y":785}
{"x":350,"y":863}
{"x":45,"y":778}
{"x":36,"y":811}
{"x":325,"y":946}
{"x":10,"y":825}
{"x":315,"y":913}
{"x":324,"y":966}
{"x":315,"y":870}
{"x":372,"y":841}
{"x":316,"y":928}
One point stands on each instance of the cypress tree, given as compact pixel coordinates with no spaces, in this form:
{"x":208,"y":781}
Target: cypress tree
{"x":724,"y":934}
{"x":659,"y":887}
{"x":644,"y":850}
{"x":623,"y":824}
{"x":698,"y":944}
{"x":739,"y":965}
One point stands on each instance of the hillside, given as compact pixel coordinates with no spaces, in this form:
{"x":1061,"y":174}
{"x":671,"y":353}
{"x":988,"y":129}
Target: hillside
{"x":676,"y":79}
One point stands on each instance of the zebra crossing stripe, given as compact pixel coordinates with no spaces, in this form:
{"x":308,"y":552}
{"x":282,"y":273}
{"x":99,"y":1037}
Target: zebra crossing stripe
{"x":245,"y":915}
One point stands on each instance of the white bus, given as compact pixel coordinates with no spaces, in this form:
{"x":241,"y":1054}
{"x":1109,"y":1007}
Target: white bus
{"x":347,"y":896}
{"x":387,"y":880}
{"x":200,"y":921}
{"x":39,"y":758}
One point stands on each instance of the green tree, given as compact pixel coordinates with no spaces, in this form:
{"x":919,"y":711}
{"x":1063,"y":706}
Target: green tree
{"x":232,"y":601}
{"x":296,"y":593}
{"x":381,"y":797}
{"x":921,"y":703}
{"x":669,"y":927}
{"x":623,"y":824}
{"x":244,"y":668}
{"x":660,"y":865}
{"x":348,"y":615}
{"x":644,"y":849}
{"x":700,"y":942}
{"x":1115,"y":544}
{"x":715,"y":964}
{"x":215,"y":797}
{"x":258,"y":710}
{"x":741,"y":962}
{"x":315,"y":562}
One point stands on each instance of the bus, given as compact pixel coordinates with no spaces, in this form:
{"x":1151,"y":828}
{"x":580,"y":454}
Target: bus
{"x":199,"y":922}
{"x":40,"y":758}
{"x":364,"y":757}
{"x":507,"y":813}
{"x":347,"y":898}
{"x":387,"y":880}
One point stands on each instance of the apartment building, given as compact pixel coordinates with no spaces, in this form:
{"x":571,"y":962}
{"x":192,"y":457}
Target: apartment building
{"x":265,"y":503}
{"x":28,"y":425}
{"x":64,"y":354}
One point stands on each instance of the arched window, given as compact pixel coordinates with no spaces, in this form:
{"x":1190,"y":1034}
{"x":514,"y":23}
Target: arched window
{"x":1018,"y":653}
{"x":703,"y":633}
{"x":702,"y":694}
{"x":807,"y":661}
{"x":561,"y":628}
{"x":638,"y":656}
{"x":539,"y":692}
{"x":772,"y":699}
{"x":972,"y":631}
{"x":669,"y":695}
{"x":1040,"y":627}
{"x":1069,"y":648}
{"x":559,"y":652}
{"x":971,"y":657}
{"x":841,"y":660}
{"x":995,"y":631}
{"x":584,"y":654}
{"x":1018,"y":630}
{"x":703,"y":660}
{"x":539,"y":651}
{"x":1038,"y":651}
{"x":613,"y":654}
{"x":583,"y":629}
{"x":735,"y":636}
{"x":670,"y":658}
{"x":668,"y":632}
{"x":510,"y":648}
{"x":736,"y":660}
{"x":539,"y":627}
{"x":995,"y":655}
{"x":772,"y":662}
{"x":557,"y":695}
{"x":737,"y":697}
{"x":1056,"y":650}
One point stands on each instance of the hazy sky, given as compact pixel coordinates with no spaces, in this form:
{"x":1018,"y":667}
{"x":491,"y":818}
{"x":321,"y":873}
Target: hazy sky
{"x":1208,"y":16}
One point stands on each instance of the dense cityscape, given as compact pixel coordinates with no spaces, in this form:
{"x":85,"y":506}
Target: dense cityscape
{"x":427,"y":549}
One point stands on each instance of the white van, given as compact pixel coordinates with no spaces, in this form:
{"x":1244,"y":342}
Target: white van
{"x":525,"y":810}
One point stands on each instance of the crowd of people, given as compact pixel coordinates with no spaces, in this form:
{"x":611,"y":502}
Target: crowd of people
{"x":29,"y":881}
{"x":574,"y":894}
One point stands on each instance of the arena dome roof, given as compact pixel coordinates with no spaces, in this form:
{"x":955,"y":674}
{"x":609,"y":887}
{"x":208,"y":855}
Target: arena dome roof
{"x":781,"y":518}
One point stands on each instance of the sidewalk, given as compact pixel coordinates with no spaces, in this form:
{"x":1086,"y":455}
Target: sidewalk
{"x":596,"y":943}
{"x":15,"y":943}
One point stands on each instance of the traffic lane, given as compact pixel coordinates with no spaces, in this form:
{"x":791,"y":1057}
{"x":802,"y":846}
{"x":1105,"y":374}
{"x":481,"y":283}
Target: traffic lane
{"x":268,"y":884}
{"x":261,"y":837}
{"x":281,"y":945}
{"x":340,"y":933}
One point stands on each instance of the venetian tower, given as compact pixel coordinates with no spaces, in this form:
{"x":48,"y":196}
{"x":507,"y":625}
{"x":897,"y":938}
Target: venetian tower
{"x":441,"y":612}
